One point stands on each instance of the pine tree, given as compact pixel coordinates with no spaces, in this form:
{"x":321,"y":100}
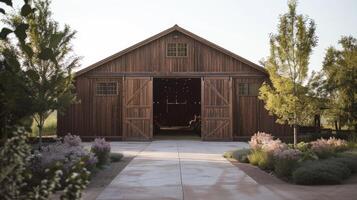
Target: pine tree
{"x":290,"y":50}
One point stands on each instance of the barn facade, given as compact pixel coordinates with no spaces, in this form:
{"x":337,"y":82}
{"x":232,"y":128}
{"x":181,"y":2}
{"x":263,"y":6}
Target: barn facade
{"x":173,"y":79}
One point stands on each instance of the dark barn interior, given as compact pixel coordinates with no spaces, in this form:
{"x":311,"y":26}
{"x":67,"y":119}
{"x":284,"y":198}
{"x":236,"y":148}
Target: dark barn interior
{"x":177,"y":106}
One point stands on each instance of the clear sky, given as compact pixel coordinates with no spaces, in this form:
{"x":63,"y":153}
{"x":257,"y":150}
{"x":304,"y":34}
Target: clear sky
{"x":241,"y":26}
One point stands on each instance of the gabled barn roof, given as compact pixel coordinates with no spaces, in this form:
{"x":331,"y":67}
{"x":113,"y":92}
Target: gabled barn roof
{"x":163,"y":33}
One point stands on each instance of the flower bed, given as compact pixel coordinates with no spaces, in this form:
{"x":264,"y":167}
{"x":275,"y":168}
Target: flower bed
{"x":71,"y":161}
{"x":323,"y":161}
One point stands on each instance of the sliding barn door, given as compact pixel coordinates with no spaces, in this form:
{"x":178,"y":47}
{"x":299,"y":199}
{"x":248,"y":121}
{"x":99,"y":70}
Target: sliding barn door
{"x":216,"y":108}
{"x":137,"y":108}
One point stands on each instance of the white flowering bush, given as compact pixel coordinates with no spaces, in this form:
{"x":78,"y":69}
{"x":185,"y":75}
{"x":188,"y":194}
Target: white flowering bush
{"x":16,"y":178}
{"x":264,"y":141}
{"x":259,"y":139}
{"x":72,"y":140}
{"x":274,"y":146}
{"x":76,"y":182}
{"x":101,"y":149}
{"x":326,"y":147}
{"x":263,"y":148}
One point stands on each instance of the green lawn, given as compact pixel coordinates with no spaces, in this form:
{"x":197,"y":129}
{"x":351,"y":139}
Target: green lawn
{"x":50,"y":126}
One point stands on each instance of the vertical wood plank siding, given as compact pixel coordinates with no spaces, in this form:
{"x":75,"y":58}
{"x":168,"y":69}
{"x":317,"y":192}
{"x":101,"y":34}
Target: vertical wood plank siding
{"x":93,"y":116}
{"x":152,"y":58}
{"x":103,"y":116}
{"x":250,"y":115}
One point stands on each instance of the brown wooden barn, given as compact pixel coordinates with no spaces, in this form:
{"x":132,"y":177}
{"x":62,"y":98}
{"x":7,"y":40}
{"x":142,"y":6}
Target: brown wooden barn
{"x":174,"y":80}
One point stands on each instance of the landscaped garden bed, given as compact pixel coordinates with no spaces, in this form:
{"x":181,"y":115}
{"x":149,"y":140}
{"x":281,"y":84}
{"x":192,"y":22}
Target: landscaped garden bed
{"x":73,"y":166}
{"x":320,"y":162}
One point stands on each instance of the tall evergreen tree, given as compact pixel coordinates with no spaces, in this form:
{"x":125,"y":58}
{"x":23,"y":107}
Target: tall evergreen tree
{"x":340,"y":72}
{"x":48,"y":60}
{"x":290,"y":50}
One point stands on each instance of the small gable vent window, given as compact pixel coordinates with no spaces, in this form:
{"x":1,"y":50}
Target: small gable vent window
{"x":106,"y":89}
{"x":176,"y":50}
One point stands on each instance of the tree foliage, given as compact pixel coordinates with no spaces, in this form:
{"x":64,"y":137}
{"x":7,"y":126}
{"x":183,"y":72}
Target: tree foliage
{"x":340,"y":82}
{"x":48,"y":60}
{"x":285,"y":95}
{"x":29,"y":66}
{"x":15,"y":95}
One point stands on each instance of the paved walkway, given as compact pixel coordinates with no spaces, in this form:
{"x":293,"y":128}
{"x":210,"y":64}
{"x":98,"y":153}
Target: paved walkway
{"x":182,"y":170}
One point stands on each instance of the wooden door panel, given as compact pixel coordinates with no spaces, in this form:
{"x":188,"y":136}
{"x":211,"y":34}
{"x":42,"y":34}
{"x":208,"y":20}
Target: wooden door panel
{"x":137,"y":108}
{"x":106,"y":112}
{"x":216,"y":108}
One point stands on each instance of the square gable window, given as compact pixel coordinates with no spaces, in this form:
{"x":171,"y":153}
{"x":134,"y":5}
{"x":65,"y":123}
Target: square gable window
{"x":171,"y":50}
{"x":176,"y":50}
{"x":106,"y":89}
{"x":181,"y":49}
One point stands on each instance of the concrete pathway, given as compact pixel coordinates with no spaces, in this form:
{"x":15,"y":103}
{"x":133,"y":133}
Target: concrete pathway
{"x":183,"y":170}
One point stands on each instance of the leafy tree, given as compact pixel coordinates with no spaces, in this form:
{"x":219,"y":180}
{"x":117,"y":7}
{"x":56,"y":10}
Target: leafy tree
{"x":15,"y":96}
{"x":48,"y":60}
{"x":290,"y":50}
{"x":340,"y":83}
{"x":18,"y":102}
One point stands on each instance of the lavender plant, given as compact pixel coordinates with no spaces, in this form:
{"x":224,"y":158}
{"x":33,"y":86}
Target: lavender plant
{"x":101,"y":149}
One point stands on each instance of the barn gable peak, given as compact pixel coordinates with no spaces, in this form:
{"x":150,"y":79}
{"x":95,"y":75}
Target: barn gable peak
{"x":164,"y":33}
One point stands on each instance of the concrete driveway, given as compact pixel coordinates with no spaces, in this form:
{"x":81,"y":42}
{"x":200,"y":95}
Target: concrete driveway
{"x":182,"y":170}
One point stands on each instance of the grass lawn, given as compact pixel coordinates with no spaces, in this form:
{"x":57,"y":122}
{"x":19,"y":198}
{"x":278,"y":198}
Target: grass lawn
{"x":49,"y":128}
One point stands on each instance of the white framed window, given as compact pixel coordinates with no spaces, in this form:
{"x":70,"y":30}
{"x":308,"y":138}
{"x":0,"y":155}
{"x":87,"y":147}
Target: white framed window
{"x":106,"y":89}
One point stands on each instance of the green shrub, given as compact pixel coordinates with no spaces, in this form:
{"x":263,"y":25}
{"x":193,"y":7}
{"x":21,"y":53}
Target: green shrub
{"x":261,"y":159}
{"x":349,"y":161}
{"x":286,"y":161}
{"x":116,"y":157}
{"x":303,"y":146}
{"x":228,"y":154}
{"x":308,"y":155}
{"x":321,"y":172}
{"x":240,"y":155}
{"x":285,"y":167}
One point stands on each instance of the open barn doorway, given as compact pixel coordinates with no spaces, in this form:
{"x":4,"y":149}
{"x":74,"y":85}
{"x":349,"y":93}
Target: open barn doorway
{"x":177,"y":108}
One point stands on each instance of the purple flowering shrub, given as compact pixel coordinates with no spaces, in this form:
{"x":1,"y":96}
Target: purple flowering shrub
{"x":65,"y":154}
{"x":101,"y":149}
